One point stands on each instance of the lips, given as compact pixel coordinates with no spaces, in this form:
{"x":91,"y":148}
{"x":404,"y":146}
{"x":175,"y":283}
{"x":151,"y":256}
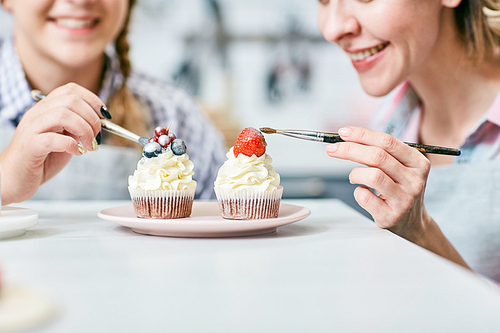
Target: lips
{"x":364,"y":54}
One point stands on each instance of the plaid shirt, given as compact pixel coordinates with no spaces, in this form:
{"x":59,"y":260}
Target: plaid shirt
{"x":401,"y":118}
{"x":166,"y":103}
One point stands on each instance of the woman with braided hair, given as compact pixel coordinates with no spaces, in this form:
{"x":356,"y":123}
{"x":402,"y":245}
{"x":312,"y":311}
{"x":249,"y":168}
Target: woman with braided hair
{"x":76,"y":53}
{"x":440,"y":62}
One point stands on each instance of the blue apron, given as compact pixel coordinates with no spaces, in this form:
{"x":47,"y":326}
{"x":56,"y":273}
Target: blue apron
{"x":464,"y":200}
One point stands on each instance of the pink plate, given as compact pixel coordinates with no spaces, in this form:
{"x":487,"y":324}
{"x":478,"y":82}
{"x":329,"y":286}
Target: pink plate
{"x":205,"y":221}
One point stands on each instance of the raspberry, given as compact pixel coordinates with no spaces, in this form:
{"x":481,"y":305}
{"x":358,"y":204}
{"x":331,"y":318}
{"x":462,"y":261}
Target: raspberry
{"x":250,"y":142}
{"x":160,"y":130}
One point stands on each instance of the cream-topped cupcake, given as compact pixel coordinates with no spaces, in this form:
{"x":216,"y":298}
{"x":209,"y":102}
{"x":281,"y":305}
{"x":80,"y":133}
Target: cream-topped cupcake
{"x":247,"y":186}
{"x":162,"y":186}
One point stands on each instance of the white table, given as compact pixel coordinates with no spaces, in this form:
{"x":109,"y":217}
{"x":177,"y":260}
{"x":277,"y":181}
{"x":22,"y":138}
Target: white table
{"x":335,"y":271}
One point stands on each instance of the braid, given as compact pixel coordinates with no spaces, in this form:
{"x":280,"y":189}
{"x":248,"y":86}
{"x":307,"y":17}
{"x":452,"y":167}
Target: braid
{"x":491,"y":10}
{"x":126,"y":109}
{"x":122,"y":48}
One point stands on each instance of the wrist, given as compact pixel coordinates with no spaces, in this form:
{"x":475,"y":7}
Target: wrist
{"x":422,"y":230}
{"x":419,"y":231}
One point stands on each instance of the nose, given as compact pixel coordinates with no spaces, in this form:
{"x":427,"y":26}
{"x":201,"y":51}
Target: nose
{"x":336,"y":21}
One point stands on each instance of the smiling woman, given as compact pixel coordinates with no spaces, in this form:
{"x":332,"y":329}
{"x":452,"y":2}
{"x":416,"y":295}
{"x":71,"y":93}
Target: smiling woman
{"x":441,"y":59}
{"x":60,"y":47}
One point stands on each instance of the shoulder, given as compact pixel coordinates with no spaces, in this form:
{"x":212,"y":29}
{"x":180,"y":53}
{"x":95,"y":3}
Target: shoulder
{"x":165,"y":101}
{"x":157,"y":90}
{"x":174,"y":106}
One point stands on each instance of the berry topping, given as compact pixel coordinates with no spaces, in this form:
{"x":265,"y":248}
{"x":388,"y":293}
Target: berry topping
{"x":164,"y":140}
{"x":178,"y":147}
{"x":250,"y":142}
{"x":159,"y":131}
{"x":151,"y":149}
{"x":153,"y":139}
{"x":171,"y":136}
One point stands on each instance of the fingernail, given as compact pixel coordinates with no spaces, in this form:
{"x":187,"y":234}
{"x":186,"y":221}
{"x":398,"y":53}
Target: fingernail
{"x":81,"y":149}
{"x":105,"y":112}
{"x":95,"y":147}
{"x":98,"y":138}
{"x":332,"y":148}
{"x":345,"y":131}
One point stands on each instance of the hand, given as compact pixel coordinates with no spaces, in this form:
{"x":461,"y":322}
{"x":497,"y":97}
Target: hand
{"x":397,"y":172}
{"x":46,"y":138}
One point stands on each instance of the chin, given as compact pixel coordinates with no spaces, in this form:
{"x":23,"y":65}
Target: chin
{"x":377,"y":87}
{"x":78,"y":59}
{"x":76,"y":54}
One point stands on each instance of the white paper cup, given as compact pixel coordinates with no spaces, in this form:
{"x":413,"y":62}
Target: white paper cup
{"x":248,"y":205}
{"x":162,"y":204}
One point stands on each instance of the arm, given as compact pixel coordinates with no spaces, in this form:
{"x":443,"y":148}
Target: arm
{"x":398,"y":173}
{"x":46,"y":138}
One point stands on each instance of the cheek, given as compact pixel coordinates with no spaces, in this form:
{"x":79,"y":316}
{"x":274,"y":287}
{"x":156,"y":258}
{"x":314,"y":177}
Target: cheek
{"x":321,"y":18}
{"x":117,"y":14}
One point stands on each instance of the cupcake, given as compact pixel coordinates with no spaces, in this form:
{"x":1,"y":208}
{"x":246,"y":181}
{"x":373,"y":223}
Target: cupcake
{"x":162,"y":186}
{"x":247,"y":186}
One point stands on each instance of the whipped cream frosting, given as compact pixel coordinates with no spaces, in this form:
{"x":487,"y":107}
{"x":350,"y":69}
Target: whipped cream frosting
{"x":166,"y":171}
{"x":247,"y":173}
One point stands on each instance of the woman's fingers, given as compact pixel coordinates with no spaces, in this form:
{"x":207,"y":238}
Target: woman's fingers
{"x":405,"y":165}
{"x":48,"y":135}
{"x":56,"y":143}
{"x":396,"y":172}
{"x":393,"y":200}
{"x":376,"y":206}
{"x":70,"y":109}
{"x":403,"y":153}
{"x":377,"y":158}
{"x":74,"y":89}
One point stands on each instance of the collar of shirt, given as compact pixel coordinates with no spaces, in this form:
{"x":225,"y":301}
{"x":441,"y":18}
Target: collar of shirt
{"x":15,"y":91}
{"x":404,"y":120}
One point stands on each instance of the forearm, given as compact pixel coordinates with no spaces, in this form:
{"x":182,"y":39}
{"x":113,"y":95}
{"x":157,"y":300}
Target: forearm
{"x":428,"y":235}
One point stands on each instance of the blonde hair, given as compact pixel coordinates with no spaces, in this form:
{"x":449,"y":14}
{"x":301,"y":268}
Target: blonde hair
{"x":478,"y":22}
{"x":125,"y":108}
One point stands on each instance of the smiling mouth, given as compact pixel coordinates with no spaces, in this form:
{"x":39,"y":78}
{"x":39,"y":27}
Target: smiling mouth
{"x":75,"y":23}
{"x":359,"y":56}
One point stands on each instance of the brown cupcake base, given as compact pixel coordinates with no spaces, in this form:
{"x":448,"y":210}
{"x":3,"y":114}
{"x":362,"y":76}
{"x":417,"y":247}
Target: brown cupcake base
{"x":162,"y":208}
{"x":241,"y":209}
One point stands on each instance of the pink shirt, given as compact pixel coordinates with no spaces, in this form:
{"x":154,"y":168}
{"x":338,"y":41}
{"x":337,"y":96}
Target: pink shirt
{"x":401,"y":118}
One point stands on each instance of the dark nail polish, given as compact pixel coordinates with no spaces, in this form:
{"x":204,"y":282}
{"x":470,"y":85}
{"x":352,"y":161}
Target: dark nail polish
{"x":105,"y":112}
{"x":98,"y":138}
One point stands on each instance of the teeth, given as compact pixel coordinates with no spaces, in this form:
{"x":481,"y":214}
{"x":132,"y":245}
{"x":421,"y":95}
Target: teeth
{"x":367,"y":53}
{"x":74,"y":23}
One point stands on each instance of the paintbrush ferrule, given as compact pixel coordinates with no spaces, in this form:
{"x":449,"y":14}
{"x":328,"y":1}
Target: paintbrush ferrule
{"x":305,"y":135}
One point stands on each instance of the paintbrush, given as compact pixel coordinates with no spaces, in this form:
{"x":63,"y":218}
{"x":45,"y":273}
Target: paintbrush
{"x":334,"y":137}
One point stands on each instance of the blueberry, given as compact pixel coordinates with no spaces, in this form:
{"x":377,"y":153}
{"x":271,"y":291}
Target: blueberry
{"x":151,"y":149}
{"x":178,"y":147}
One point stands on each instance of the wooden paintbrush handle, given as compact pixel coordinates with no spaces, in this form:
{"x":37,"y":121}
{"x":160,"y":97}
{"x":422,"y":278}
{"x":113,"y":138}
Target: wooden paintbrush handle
{"x":334,"y":137}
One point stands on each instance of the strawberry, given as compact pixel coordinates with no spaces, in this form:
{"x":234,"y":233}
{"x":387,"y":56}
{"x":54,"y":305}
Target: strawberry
{"x":250,"y":142}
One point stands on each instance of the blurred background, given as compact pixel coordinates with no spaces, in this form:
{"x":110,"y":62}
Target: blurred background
{"x":256,"y":63}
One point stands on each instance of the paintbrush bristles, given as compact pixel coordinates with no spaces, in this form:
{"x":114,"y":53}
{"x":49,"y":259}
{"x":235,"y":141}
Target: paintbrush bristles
{"x":267,"y":130}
